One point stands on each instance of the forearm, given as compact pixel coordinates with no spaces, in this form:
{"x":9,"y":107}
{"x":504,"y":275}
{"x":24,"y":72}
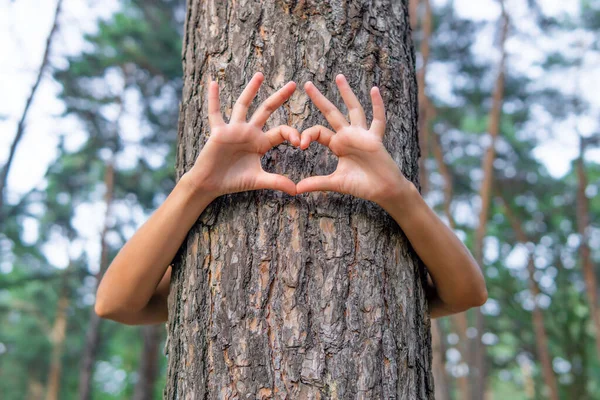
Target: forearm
{"x":458,"y":281}
{"x":132,"y":277}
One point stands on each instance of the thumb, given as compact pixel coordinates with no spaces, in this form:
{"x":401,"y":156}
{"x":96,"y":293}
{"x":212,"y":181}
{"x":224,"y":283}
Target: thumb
{"x":317,"y":183}
{"x":267,"y":180}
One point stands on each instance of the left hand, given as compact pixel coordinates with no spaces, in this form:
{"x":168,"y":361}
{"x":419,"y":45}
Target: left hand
{"x":365,"y":168}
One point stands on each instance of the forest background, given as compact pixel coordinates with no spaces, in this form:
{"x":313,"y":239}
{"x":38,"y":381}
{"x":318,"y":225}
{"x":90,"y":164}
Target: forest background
{"x":88,"y":122}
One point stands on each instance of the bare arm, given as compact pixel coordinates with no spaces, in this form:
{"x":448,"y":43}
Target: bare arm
{"x":366,"y":170}
{"x":128,"y":291}
{"x":135,"y":287}
{"x":458,"y":283}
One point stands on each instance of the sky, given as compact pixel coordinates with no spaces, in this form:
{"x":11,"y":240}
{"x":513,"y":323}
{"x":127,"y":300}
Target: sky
{"x":24,"y":26}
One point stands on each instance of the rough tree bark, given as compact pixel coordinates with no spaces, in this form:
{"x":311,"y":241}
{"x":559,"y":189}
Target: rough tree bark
{"x":313,"y":296}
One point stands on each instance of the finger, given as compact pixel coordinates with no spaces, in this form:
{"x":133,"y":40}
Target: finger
{"x":357,"y":113}
{"x":214,"y":105}
{"x":335,"y":118}
{"x":262,"y":114}
{"x":316,"y":133}
{"x":240,"y":109}
{"x":317,"y":183}
{"x":378,"y":123}
{"x":267,"y":180}
{"x":282,"y":133}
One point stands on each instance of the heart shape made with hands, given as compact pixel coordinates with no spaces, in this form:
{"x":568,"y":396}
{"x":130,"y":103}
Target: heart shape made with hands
{"x":230,"y":160}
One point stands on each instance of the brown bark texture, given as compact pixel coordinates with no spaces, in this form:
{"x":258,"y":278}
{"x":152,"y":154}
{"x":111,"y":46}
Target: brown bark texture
{"x":317,"y":296}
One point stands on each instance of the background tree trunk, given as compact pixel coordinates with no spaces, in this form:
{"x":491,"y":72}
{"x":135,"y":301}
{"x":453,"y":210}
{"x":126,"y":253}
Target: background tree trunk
{"x":539,"y":326}
{"x":148,"y":367}
{"x":583,"y":225}
{"x":313,"y":296}
{"x":58,"y":336}
{"x":92,"y":336}
{"x":478,"y":357}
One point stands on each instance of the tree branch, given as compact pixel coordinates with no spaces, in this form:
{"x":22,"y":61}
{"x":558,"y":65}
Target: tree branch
{"x":21,"y":125}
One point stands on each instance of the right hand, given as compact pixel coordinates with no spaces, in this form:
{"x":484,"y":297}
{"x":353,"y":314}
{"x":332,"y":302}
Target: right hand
{"x":230,"y":160}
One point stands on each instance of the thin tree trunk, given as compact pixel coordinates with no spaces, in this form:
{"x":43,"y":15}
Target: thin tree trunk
{"x":35,"y":389}
{"x":440,"y":376}
{"x":583,"y":224}
{"x":424,"y":117}
{"x":148,"y":367}
{"x":21,"y":124}
{"x":479,"y":357}
{"x":57,"y":338}
{"x":92,"y":342}
{"x":459,"y":321}
{"x":313,"y":296}
{"x":539,"y":327}
{"x":413,"y":12}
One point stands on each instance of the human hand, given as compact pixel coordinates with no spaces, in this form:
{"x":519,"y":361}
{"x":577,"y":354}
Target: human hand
{"x":365,"y":169}
{"x":230,"y":160}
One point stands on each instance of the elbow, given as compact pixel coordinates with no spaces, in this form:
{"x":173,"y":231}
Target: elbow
{"x":107,"y":309}
{"x":100,"y":309}
{"x":478,"y":294}
{"x":481,"y":297}
{"x":478,"y":297}
{"x":104,"y":310}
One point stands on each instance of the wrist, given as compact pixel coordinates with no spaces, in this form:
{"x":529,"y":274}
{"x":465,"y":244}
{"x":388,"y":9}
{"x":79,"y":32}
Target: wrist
{"x":196,"y":186}
{"x":400,"y":197}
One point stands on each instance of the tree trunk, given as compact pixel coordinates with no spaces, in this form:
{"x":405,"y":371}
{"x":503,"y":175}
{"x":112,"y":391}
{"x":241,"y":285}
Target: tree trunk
{"x":479,"y":353}
{"x":313,"y":296}
{"x":441,"y":378}
{"x":424,"y":108}
{"x":58,"y":336}
{"x":539,"y":326}
{"x":92,"y":339}
{"x":413,"y":11}
{"x":148,"y":368}
{"x":426,"y":113}
{"x":35,"y":389}
{"x":583,"y":224}
{"x":459,"y":321}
